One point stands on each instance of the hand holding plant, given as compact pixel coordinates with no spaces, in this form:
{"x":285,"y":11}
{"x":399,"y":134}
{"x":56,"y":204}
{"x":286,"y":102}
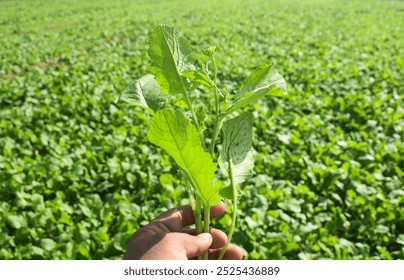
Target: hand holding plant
{"x":167,"y":238}
{"x":166,"y":95}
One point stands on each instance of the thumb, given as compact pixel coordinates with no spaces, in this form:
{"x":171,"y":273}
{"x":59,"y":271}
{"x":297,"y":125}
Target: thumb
{"x":195,"y":246}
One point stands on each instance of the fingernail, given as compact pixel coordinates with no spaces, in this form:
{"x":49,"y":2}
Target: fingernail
{"x":205,"y":235}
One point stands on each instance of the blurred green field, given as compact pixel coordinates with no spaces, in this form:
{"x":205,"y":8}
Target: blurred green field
{"x":78,"y":177}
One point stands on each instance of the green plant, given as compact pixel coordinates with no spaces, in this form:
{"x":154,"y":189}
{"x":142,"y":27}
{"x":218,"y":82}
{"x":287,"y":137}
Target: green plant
{"x":176,"y":72}
{"x":328,"y":159}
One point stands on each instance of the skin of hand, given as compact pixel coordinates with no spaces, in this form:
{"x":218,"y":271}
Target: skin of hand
{"x":167,"y":238}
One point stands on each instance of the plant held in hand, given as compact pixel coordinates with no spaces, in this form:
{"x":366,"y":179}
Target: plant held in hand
{"x":176,"y":72}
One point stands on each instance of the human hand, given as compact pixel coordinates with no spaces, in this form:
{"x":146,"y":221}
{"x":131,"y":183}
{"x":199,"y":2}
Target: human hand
{"x":166,"y":238}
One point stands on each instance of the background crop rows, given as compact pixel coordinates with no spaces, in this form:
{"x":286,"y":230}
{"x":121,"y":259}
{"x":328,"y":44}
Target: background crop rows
{"x":77,"y":175}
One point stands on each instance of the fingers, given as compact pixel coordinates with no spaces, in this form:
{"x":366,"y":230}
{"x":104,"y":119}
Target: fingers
{"x":173,"y":221}
{"x":219,"y":238}
{"x":218,"y":242}
{"x":167,"y":238}
{"x":192,"y":246}
{"x":232,"y":253}
{"x":178,"y":218}
{"x":217,"y":210}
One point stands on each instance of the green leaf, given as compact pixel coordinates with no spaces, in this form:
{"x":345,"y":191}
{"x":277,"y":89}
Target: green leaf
{"x":85,"y":210}
{"x":83,"y":249}
{"x":236,"y":151}
{"x":34,"y":250}
{"x":144,"y":93}
{"x":15,"y":221}
{"x":226,"y":192}
{"x":264,"y":78}
{"x":174,"y":132}
{"x":291,"y":204}
{"x":262,"y":82}
{"x":201,"y":114}
{"x":47,"y":244}
{"x":120,"y":241}
{"x":198,"y":77}
{"x":171,"y":54}
{"x":400,"y":239}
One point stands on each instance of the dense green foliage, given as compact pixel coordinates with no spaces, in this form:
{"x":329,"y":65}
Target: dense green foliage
{"x":77,"y":176}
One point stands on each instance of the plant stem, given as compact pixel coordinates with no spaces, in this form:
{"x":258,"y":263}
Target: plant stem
{"x":189,"y":188}
{"x":196,"y":207}
{"x":215,"y":134}
{"x":217,"y":109}
{"x":198,"y":215}
{"x":206,"y":224}
{"x":235,"y":210}
{"x":194,"y":117}
{"x":219,"y":119}
{"x":197,"y":210}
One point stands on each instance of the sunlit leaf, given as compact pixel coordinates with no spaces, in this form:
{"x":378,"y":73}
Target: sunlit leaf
{"x":144,"y":93}
{"x":171,"y":54}
{"x":173,"y":131}
{"x":236,"y":151}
